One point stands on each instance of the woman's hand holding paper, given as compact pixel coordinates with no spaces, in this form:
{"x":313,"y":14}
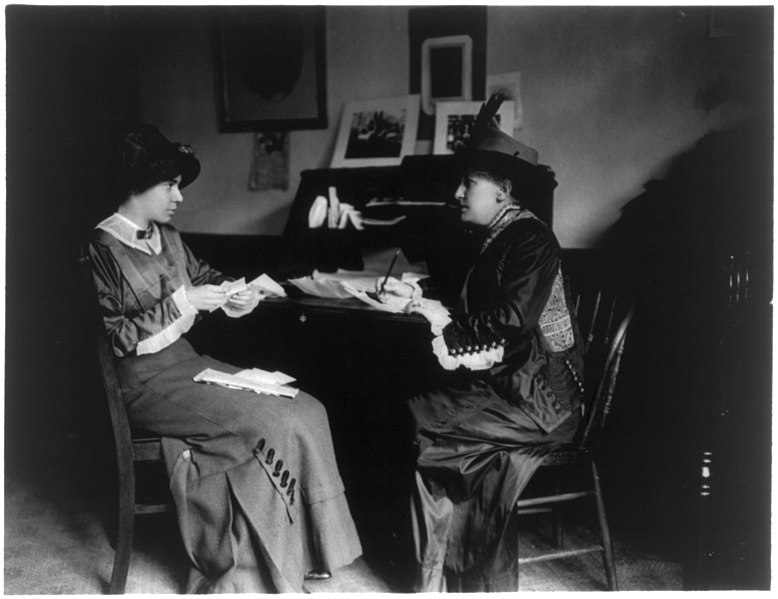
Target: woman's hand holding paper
{"x":243,"y":301}
{"x":206,"y":297}
{"x":245,"y":297}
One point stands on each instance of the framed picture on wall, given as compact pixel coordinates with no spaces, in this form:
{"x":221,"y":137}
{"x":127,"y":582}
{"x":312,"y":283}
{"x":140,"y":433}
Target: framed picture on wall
{"x":446,"y":70}
{"x":454,"y":122}
{"x":270,"y":66}
{"x":376,"y":132}
{"x":426,"y":24}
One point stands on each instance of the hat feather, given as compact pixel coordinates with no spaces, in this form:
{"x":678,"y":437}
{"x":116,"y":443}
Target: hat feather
{"x":487,"y":114}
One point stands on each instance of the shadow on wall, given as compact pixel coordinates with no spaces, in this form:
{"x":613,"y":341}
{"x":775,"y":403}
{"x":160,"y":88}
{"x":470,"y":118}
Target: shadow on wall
{"x":695,"y":249}
{"x":715,"y":197}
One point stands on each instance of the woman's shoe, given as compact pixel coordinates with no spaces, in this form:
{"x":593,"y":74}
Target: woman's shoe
{"x":318,"y":575}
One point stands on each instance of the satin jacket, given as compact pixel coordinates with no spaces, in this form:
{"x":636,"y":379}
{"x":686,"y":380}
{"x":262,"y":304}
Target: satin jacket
{"x":141,"y":293}
{"x":515,"y":296}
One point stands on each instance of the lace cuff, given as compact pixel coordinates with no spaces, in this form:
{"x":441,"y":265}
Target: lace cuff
{"x":174,"y":330}
{"x":477,"y":358}
{"x":435,"y":313}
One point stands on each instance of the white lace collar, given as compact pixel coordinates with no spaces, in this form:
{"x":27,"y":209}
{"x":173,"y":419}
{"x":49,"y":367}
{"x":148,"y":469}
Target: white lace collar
{"x":126,"y":231}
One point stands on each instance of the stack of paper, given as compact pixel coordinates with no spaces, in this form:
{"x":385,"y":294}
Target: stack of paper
{"x":264,"y":376}
{"x":330,"y":285}
{"x":393,"y":304}
{"x":255,"y":379}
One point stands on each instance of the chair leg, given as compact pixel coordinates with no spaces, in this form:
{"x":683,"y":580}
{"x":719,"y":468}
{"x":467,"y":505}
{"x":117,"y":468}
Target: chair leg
{"x":607,"y":558}
{"x":559,"y":533}
{"x":126,"y":522}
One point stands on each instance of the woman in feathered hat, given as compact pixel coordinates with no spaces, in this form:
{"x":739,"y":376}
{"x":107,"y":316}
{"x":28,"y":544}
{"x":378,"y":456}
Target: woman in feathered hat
{"x":259,"y":498}
{"x":515,"y":390}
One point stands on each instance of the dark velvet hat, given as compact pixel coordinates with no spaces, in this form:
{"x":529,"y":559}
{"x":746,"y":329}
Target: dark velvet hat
{"x":147,"y":157}
{"x":494,"y":151}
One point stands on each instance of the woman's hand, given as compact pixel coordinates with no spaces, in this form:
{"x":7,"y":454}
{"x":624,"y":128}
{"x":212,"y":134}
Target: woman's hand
{"x":394,"y":287}
{"x":206,"y":297}
{"x":245,"y":298}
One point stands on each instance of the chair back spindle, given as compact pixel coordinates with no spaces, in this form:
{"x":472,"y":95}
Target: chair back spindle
{"x":593,"y":321}
{"x":597,"y":316}
{"x":107,"y":364}
{"x":602,"y":362}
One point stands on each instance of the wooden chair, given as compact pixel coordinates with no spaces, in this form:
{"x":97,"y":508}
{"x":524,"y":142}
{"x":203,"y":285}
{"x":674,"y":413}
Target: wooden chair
{"x":604,"y":323}
{"x":132,"y":447}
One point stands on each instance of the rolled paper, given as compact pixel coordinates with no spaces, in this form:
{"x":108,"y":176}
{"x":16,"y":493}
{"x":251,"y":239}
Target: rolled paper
{"x":334,"y":211}
{"x":317,"y":213}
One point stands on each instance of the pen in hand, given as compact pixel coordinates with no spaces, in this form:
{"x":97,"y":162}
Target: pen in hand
{"x":389,"y":272}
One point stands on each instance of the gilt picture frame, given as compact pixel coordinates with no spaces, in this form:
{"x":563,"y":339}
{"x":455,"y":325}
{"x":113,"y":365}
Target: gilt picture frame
{"x":271,"y":68}
{"x":378,"y":132}
{"x":454,"y":121}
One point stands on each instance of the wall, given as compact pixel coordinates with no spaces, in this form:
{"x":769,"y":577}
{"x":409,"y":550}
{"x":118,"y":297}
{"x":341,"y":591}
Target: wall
{"x":59,"y":79}
{"x":608,"y":93}
{"x":178,"y":94}
{"x":608,"y":99}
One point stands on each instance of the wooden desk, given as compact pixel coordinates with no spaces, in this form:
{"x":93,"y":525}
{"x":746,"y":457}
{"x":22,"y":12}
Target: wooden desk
{"x":319,"y":340}
{"x":344,"y":308}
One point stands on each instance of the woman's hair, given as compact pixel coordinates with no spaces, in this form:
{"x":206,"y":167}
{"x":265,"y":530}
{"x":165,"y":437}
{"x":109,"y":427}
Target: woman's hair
{"x":527,"y":181}
{"x":157,"y":172}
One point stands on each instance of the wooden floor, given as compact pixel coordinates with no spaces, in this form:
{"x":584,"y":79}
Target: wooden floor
{"x":57,"y":516}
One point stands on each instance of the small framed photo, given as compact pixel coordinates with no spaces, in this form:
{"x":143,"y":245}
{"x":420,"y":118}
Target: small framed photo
{"x":446,"y":70}
{"x":454,"y":122}
{"x":509,"y":85}
{"x":376,"y":132}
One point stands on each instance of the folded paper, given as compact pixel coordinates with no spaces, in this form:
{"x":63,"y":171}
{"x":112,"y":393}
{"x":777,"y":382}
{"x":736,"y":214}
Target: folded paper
{"x":256,"y":380}
{"x":263,"y":285}
{"x":268,"y":286}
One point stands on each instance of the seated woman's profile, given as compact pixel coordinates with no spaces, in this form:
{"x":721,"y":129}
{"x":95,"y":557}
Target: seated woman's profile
{"x":515,"y":363}
{"x":258,"y":495}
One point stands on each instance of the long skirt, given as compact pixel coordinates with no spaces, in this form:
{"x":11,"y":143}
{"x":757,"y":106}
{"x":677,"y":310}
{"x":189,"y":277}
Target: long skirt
{"x":258,"y":495}
{"x":477,"y":453}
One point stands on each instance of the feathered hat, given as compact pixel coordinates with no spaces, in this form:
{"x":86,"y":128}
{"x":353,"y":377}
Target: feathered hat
{"x":492,"y":150}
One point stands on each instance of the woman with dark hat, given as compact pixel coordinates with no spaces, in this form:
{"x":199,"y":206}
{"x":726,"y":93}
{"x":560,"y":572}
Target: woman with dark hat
{"x":259,"y":499}
{"x":512,"y":346}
